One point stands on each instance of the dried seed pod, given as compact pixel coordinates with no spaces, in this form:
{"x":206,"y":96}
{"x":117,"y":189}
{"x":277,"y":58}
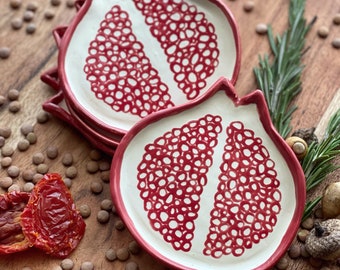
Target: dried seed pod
{"x":331,"y":200}
{"x":323,"y":242}
{"x":298,"y":145}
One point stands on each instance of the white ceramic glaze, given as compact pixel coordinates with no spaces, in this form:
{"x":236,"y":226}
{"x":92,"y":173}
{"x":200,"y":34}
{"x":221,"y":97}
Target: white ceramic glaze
{"x":211,"y":23}
{"x":191,"y":227}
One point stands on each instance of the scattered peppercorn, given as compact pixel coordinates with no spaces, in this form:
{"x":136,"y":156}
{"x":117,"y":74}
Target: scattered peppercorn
{"x":2,"y":141}
{"x":13,"y":94}
{"x":336,"y":43}
{"x":33,"y":6}
{"x":38,"y":158}
{"x":28,"y":187}
{"x":105,"y":176}
{"x":13,"y":171}
{"x":87,"y":266}
{"x":261,"y":28}
{"x":2,"y":100}
{"x":28,"y":175}
{"x":336,"y":19}
{"x":31,"y":28}
{"x":23,"y":145}
{"x":42,"y":168}
{"x":5,"y":132}
{"x":28,"y":16}
{"x":308,"y":223}
{"x":70,"y":3}
{"x":31,"y":137}
{"x":67,"y":182}
{"x":6,"y":182}
{"x":52,"y":152}
{"x":71,"y":172}
{"x":67,"y":264}
{"x":131,"y":266}
{"x":14,"y":187}
{"x":103,"y":216}
{"x":110,"y":255}
{"x":106,"y":204}
{"x":119,"y":225}
{"x":5,"y":52}
{"x":55,"y":2}
{"x":6,"y":162}
{"x":16,"y":23}
{"x":92,"y":166}
{"x":282,"y":263}
{"x":134,"y":247}
{"x":323,"y":31}
{"x":15,"y":4}
{"x":42,"y":117}
{"x":85,"y":210}
{"x":14,"y":106}
{"x":95,"y":155}
{"x":7,"y":151}
{"x":248,"y":6}
{"x":26,"y":128}
{"x":304,"y":252}
{"x":123,"y":254}
{"x":294,"y":251}
{"x":104,"y":166}
{"x":302,"y":235}
{"x":49,"y":14}
{"x":37,"y":177}
{"x":96,"y":187}
{"x":67,"y":159}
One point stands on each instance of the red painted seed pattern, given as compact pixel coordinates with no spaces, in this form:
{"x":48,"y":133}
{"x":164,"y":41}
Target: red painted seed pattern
{"x":172,"y":175}
{"x":187,"y":38}
{"x":120,"y":73}
{"x":247,"y":201}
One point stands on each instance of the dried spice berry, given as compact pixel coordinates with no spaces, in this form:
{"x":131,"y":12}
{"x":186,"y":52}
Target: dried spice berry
{"x":62,"y":227}
{"x":16,"y":23}
{"x":12,"y":238}
{"x":13,"y":94}
{"x":4,"y":52}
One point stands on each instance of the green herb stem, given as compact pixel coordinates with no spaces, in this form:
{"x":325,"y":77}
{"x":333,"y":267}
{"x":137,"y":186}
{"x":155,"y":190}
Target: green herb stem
{"x":279,"y":79}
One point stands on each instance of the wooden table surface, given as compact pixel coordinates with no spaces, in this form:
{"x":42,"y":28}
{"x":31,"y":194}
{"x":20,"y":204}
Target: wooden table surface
{"x":32,"y":54}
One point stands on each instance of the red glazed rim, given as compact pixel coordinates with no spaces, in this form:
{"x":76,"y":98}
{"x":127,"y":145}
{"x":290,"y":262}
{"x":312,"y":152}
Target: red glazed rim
{"x":83,"y":112}
{"x":255,"y":97}
{"x":53,"y":106}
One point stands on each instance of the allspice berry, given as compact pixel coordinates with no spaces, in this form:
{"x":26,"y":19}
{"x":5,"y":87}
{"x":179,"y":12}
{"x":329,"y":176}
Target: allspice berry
{"x":298,"y":145}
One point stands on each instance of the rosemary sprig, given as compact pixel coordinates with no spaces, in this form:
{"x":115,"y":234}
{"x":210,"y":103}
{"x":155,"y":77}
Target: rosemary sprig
{"x":280,"y":79}
{"x":318,"y":163}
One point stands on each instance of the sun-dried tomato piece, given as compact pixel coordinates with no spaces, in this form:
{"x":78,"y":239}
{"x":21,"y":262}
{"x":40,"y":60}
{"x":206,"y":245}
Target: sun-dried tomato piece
{"x":50,"y":220}
{"x":12,"y":238}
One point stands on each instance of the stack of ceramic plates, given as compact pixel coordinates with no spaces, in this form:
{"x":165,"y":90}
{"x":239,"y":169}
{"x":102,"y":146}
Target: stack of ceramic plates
{"x":120,"y":61}
{"x":200,"y":177}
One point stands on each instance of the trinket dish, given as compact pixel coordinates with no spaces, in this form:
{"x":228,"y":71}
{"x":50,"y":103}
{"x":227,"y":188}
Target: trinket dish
{"x":120,"y":61}
{"x":210,"y":184}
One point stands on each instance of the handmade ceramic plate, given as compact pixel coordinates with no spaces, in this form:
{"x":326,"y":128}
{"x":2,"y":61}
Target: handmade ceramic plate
{"x":56,"y":106}
{"x":210,"y":184}
{"x":120,"y":61}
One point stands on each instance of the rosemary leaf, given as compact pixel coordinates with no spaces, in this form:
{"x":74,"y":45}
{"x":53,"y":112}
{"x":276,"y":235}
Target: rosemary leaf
{"x":309,"y":207}
{"x":280,"y":79}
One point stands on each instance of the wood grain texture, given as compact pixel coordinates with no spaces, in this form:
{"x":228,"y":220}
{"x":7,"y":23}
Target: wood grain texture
{"x":33,"y":54}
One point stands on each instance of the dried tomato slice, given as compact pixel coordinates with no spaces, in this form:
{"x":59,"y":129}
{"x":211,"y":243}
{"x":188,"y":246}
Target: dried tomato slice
{"x":50,"y":220}
{"x":12,"y":238}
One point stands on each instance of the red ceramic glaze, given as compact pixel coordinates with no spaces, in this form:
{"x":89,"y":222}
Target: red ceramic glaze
{"x":109,"y":71}
{"x":210,"y":184}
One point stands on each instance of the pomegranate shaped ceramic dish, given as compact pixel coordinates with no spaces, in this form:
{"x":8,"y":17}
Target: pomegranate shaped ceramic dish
{"x":120,"y":61}
{"x":210,"y":184}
